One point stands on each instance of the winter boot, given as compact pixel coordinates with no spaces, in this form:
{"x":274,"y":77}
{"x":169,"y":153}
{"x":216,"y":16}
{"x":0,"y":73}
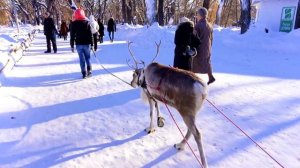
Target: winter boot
{"x":83,"y":74}
{"x":211,"y":80}
{"x":89,"y":71}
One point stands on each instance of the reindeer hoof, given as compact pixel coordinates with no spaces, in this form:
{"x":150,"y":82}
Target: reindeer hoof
{"x":160,"y":121}
{"x":149,"y":131}
{"x":178,"y":147}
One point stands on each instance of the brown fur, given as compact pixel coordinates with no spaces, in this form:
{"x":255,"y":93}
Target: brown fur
{"x":178,"y":88}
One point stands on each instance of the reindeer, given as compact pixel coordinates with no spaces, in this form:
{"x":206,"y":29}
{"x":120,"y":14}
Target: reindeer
{"x":180,"y":89}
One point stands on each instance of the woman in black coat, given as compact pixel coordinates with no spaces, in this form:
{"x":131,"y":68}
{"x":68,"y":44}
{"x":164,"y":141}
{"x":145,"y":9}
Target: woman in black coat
{"x":185,"y":38}
{"x":101,"y":30}
{"x":111,"y":28}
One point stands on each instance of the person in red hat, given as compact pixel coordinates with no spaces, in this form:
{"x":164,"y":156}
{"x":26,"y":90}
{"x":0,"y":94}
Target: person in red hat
{"x":82,"y":35}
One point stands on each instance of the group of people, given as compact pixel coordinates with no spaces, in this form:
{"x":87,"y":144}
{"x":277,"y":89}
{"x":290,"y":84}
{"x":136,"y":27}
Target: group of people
{"x":84,"y":32}
{"x":192,"y":43}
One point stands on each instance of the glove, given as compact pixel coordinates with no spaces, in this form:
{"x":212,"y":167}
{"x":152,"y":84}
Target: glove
{"x":72,"y":49}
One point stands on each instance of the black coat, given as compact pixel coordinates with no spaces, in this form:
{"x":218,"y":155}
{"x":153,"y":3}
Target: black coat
{"x":81,"y":33}
{"x":111,"y":26}
{"x":49,"y":27}
{"x":101,"y":28}
{"x":184,"y":36}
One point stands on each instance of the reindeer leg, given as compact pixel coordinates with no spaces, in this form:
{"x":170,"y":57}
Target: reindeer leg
{"x":190,"y":121}
{"x":151,"y":128}
{"x":181,"y":145}
{"x":160,"y":120}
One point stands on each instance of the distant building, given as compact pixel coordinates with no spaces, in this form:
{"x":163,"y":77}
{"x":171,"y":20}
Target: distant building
{"x":278,"y":15}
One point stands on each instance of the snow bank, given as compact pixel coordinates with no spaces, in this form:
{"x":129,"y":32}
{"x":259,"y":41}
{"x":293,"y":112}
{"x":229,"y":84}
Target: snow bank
{"x":11,"y":40}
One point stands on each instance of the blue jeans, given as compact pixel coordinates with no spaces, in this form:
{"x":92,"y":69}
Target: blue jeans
{"x":84,"y":57}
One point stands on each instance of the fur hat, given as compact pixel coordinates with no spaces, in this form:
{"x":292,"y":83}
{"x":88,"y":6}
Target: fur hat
{"x":184,"y":19}
{"x":202,"y":12}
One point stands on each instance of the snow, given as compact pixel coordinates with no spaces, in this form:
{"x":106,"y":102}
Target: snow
{"x":50,"y":117}
{"x":9,"y":39}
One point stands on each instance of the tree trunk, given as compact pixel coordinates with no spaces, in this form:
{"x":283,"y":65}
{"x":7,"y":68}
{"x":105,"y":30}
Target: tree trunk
{"x":99,"y":9}
{"x":206,"y":4}
{"x":103,"y":11}
{"x":219,"y":12}
{"x":50,"y":5}
{"x":36,"y":12}
{"x":245,"y":18}
{"x":124,"y":11}
{"x":160,"y":12}
{"x":145,"y":12}
{"x":297,"y":23}
{"x":129,"y":12}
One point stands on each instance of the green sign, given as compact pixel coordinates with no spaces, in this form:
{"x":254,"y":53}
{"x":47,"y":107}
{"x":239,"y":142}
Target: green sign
{"x":287,"y":19}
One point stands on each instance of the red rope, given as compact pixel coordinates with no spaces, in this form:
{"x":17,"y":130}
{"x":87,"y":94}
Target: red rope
{"x":164,"y":101}
{"x":182,"y":133}
{"x":245,"y":133}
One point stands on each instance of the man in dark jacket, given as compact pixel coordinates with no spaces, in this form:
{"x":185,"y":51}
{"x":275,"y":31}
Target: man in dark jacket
{"x":82,"y":35}
{"x":111,"y":28}
{"x":50,"y":33}
{"x":186,"y":43}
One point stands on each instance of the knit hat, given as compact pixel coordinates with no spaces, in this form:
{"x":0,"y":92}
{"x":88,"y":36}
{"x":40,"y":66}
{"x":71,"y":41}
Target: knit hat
{"x":79,"y":15}
{"x":202,"y":12}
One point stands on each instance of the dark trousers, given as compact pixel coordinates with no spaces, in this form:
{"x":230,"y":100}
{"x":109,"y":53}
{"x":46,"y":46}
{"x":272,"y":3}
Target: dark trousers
{"x":51,"y":38}
{"x":111,"y":35}
{"x":101,"y":39}
{"x":95,"y":38}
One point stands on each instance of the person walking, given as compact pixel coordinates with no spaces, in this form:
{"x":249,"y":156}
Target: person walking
{"x":111,"y":28}
{"x":186,"y":43}
{"x":101,"y":30}
{"x":50,"y":32}
{"x":64,"y":30}
{"x":82,"y":35}
{"x":202,"y":62}
{"x":94,"y":29}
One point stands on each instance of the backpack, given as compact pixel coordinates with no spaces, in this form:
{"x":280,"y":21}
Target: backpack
{"x":94,"y":27}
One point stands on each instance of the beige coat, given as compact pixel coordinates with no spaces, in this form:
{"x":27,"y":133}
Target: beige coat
{"x":202,"y":62}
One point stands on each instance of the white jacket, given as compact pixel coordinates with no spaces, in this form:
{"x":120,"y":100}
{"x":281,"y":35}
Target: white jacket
{"x":94,"y":25}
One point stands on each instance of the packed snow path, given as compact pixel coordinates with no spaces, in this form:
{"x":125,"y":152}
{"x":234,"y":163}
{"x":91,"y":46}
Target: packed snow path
{"x":50,"y":117}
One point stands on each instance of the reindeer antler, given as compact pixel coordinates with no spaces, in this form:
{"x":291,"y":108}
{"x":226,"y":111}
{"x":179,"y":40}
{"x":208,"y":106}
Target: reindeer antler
{"x":157,"y":50}
{"x":134,"y":59}
{"x":131,"y":66}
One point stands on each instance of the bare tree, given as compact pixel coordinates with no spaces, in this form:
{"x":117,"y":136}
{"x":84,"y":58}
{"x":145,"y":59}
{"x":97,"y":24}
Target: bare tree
{"x":206,"y":4}
{"x":124,"y":11}
{"x":129,"y":10}
{"x":160,"y":12}
{"x":4,"y":13}
{"x":245,"y":18}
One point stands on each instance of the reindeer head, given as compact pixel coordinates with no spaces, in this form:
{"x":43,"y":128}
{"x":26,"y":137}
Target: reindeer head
{"x":138,"y":77}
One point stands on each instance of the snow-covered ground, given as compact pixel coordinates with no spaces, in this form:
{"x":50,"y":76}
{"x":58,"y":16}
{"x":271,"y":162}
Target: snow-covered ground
{"x":50,"y":117}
